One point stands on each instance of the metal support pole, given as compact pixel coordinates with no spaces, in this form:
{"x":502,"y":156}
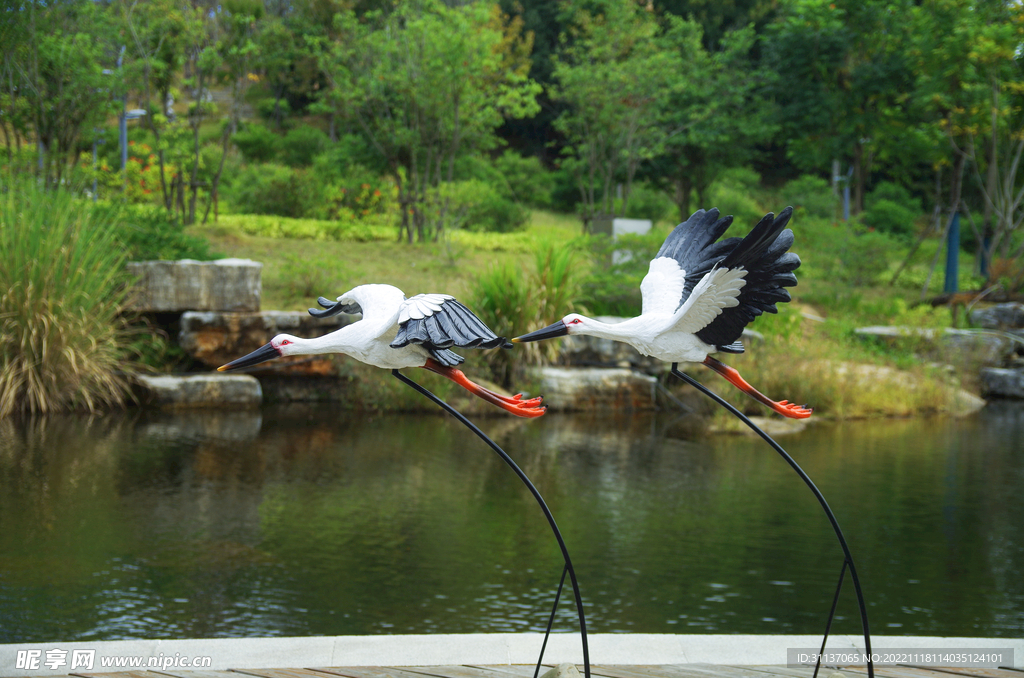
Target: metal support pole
{"x":536,"y":495}
{"x":817,"y":493}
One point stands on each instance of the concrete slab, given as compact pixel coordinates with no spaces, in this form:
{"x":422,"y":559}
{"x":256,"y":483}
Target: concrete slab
{"x":448,"y":650}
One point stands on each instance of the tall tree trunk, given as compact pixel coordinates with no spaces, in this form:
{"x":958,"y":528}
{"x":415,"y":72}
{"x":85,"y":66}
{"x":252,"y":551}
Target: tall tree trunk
{"x":681,"y":195}
{"x":858,"y":178}
{"x":988,"y":228}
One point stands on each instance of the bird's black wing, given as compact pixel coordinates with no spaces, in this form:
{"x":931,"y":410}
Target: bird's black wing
{"x":764,"y":253}
{"x":439,"y":322}
{"x":334,"y":308}
{"x":692,"y":244}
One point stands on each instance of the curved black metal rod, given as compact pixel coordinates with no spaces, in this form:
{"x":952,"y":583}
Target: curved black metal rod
{"x":536,"y":495}
{"x":831,"y":616}
{"x":551,"y":622}
{"x":817,"y":493}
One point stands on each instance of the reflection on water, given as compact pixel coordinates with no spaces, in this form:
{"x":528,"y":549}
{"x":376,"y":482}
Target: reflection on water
{"x":302,"y":521}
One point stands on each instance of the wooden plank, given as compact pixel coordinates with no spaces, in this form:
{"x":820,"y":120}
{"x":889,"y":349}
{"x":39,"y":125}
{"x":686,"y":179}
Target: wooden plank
{"x":521,"y":670}
{"x":649,"y":671}
{"x":453,"y":672}
{"x":968,"y":671}
{"x":278,"y":673}
{"x":367,"y":672}
{"x":889,"y":671}
{"x":120,"y":674}
{"x":727,"y":671}
{"x":782,"y":670}
{"x":202,"y":673}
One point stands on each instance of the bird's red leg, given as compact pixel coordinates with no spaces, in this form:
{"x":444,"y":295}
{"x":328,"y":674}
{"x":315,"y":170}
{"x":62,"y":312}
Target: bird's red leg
{"x":530,"y":407}
{"x":784,"y":407}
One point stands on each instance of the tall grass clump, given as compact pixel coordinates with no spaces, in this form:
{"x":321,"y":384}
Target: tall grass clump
{"x":512,"y":301}
{"x":62,"y":288}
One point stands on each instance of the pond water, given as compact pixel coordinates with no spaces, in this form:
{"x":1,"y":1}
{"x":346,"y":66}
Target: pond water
{"x":294,"y":521}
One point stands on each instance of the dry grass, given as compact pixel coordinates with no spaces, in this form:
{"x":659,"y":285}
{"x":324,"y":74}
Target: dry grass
{"x":810,"y":368}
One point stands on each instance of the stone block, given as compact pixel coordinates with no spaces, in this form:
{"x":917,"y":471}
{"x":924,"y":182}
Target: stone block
{"x":188,"y":285}
{"x":567,"y":389}
{"x":218,"y":338}
{"x":983,"y":348}
{"x":998,"y":382}
{"x":201,"y":390}
{"x":999,"y":317}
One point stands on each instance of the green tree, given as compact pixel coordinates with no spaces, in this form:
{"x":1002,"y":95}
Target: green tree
{"x":717,"y":120}
{"x":426,"y":84}
{"x":843,"y":82}
{"x":615,"y":81}
{"x":56,"y":83}
{"x":968,"y":66}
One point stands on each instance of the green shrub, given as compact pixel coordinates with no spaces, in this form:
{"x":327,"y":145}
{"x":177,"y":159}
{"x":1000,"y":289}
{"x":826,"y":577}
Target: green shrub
{"x":565,"y":193}
{"x":859,"y":257}
{"x":146,"y":232}
{"x":269,"y":107}
{"x":307,"y":229}
{"x":649,"y":203}
{"x":526,"y":179}
{"x":257,"y":143}
{"x":62,"y":288}
{"x":891,"y":208}
{"x":511,"y":303}
{"x":810,"y":195}
{"x":887,"y":190}
{"x":891,"y":217}
{"x":301,"y":145}
{"x":274,"y":189}
{"x":736,"y":200}
{"x":356,"y":193}
{"x":614,"y":288}
{"x":475,"y":205}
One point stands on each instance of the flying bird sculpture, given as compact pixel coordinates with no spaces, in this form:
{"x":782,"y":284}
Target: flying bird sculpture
{"x":700,"y":293}
{"x":395,"y":333}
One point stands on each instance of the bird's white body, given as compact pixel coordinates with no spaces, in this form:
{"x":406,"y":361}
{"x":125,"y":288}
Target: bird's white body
{"x":368,"y":340}
{"x":666,"y":328}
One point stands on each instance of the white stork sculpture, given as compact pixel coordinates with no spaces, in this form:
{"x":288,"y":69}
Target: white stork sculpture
{"x":699,"y":294}
{"x":395,"y":333}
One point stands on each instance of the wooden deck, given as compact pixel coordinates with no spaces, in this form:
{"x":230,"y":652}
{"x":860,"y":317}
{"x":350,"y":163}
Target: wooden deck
{"x":599,"y":671}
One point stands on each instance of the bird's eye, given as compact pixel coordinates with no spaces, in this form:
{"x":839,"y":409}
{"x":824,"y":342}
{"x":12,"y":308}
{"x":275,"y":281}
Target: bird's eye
{"x":285,"y":342}
{"x":576,"y":321}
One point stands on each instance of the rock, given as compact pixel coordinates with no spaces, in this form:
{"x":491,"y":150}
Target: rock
{"x":218,"y":338}
{"x":201,"y":390}
{"x":775,"y":426}
{"x":1002,"y":383}
{"x":964,"y":403}
{"x":983,"y":348}
{"x":188,"y":285}
{"x":999,"y":317}
{"x":568,"y":389}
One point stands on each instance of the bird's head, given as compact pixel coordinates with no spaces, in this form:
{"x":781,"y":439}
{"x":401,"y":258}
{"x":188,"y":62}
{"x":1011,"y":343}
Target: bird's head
{"x":574,"y":323}
{"x":279,"y":346}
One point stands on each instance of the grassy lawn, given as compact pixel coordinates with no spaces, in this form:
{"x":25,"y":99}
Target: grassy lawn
{"x":298,"y":270}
